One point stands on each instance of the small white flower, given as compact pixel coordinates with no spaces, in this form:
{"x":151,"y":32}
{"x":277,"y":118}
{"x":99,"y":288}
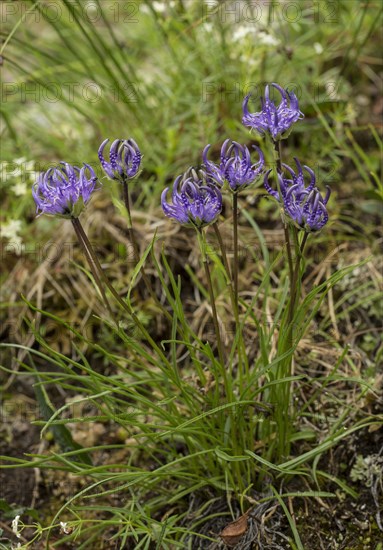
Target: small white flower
{"x":20,"y":160}
{"x":245,"y":59}
{"x":318,"y":48}
{"x":15,"y":244}
{"x":158,"y":6}
{"x":207,"y":27}
{"x":64,"y":527}
{"x":241,"y":31}
{"x":162,"y":6}
{"x":15,"y":527}
{"x":267,"y":39}
{"x":20,"y":189}
{"x":9,"y":231}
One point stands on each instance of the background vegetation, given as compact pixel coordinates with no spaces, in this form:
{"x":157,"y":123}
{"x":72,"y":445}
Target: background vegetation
{"x":172,"y":75}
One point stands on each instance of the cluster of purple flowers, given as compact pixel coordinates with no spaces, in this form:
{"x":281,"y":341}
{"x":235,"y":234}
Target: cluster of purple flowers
{"x":196,"y":198}
{"x":64,"y":190}
{"x":235,"y":167}
{"x":275,"y":120}
{"x":194,"y":201}
{"x":124,"y":159}
{"x":303,"y":204}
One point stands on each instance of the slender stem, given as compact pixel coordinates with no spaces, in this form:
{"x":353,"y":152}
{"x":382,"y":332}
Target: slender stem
{"x":282,"y":390}
{"x":235,"y":244}
{"x":284,"y":445}
{"x":76,"y":223}
{"x":293,"y":296}
{"x":226,"y":266}
{"x":215,"y":317}
{"x":278,"y":151}
{"x":289,"y":253}
{"x":294,"y":284}
{"x":202,"y":245}
{"x":113,"y":291}
{"x":126,"y":199}
{"x":242,"y":347}
{"x":222,"y":249}
{"x":304,"y":240}
{"x":136,"y":255}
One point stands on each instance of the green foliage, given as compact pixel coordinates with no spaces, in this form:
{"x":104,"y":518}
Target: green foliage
{"x":188,"y":428}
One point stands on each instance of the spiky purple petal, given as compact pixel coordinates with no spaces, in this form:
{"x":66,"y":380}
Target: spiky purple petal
{"x":272,"y":119}
{"x":124,"y":159}
{"x":304,"y":205}
{"x":194,"y":203}
{"x":64,"y":190}
{"x":235,"y":165}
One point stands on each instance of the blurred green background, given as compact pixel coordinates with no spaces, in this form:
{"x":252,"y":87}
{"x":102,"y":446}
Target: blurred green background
{"x":172,"y":75}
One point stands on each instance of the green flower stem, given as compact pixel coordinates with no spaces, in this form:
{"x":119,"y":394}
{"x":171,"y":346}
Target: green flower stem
{"x":281,"y":392}
{"x":296,"y":279}
{"x":202,"y":245}
{"x":285,"y":366}
{"x":223,"y":251}
{"x":227,"y":268}
{"x":235,"y":244}
{"x":82,"y":235}
{"x":278,"y":152}
{"x":136,"y":256}
{"x":303,"y":243}
{"x":234,"y":305}
{"x":126,"y":199}
{"x":92,"y":265}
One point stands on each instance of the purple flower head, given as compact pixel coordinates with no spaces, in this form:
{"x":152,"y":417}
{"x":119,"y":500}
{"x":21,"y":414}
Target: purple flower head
{"x":64,"y":190}
{"x":124,"y":159}
{"x":235,"y":166}
{"x":194,"y":202}
{"x":302,"y":204}
{"x":274,"y":120}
